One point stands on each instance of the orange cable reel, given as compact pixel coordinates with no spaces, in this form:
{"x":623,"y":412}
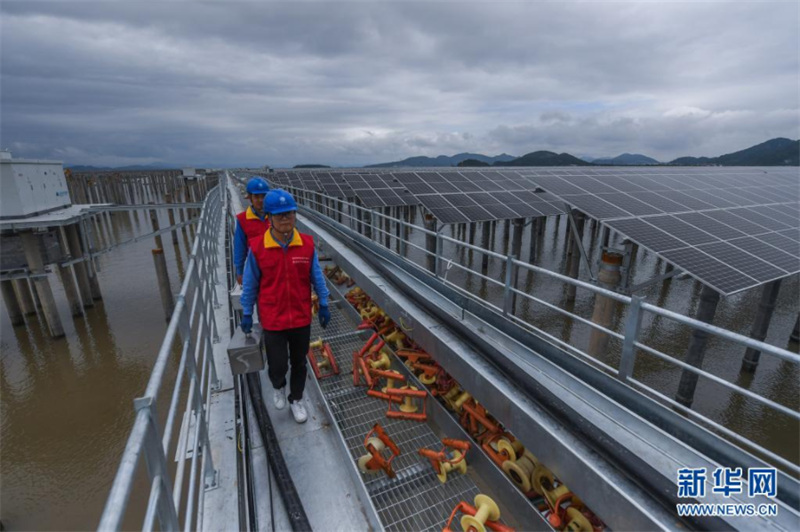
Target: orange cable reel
{"x":376,"y":442}
{"x":412,"y":400}
{"x":556,"y":495}
{"x":452,"y":457}
{"x":323,"y":363}
{"x":391,"y":376}
{"x":426,"y":373}
{"x":359,"y":367}
{"x":485,"y":514}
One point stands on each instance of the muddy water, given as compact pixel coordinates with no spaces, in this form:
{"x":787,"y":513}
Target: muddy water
{"x":67,"y":403}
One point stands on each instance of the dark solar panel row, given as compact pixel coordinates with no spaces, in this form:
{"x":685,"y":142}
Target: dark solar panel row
{"x":732,"y":228}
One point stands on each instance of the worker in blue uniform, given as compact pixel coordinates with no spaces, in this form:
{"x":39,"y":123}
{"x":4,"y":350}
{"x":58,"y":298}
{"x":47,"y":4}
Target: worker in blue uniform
{"x":250,"y":223}
{"x":280,"y":270}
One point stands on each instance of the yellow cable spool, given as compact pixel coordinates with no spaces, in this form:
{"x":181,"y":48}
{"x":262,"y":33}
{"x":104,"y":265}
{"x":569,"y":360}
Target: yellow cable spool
{"x":543,"y":483}
{"x":459,"y":401}
{"x":576,"y":521}
{"x":408,"y":405}
{"x":487,"y":510}
{"x":382,"y":362}
{"x":520,"y":471}
{"x":509,"y":448}
{"x":427,"y":380}
{"x":362,"y":462}
{"x":396,"y":337}
{"x":447,"y":467}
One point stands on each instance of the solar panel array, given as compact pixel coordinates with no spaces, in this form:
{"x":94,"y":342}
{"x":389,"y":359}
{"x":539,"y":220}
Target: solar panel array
{"x":452,"y":196}
{"x":732,"y":229}
{"x":458,"y":197}
{"x":374,"y":191}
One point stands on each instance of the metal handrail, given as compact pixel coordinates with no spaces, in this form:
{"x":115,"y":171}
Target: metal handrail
{"x":192,"y":326}
{"x":357,"y":215}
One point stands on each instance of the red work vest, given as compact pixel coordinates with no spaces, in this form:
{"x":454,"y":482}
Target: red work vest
{"x":251,"y":224}
{"x":284,"y":295}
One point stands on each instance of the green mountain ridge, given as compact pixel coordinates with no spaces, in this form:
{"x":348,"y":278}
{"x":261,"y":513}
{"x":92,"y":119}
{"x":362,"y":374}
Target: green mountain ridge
{"x":443,"y":160}
{"x":775,"y":152}
{"x":626,"y":159}
{"x":545,"y":158}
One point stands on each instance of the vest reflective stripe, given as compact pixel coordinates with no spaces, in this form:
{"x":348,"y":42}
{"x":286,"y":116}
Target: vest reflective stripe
{"x":284,"y":295}
{"x":251,"y":224}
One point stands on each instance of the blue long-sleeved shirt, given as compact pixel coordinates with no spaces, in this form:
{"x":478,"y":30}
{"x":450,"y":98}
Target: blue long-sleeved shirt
{"x":240,"y":246}
{"x":251,"y":281}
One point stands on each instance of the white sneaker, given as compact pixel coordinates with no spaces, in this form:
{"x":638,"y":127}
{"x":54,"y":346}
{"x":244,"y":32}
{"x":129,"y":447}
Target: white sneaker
{"x":298,"y":411}
{"x":279,"y":398}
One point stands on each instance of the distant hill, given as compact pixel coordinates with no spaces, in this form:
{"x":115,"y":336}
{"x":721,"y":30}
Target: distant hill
{"x":775,"y":152}
{"x":444,"y":160}
{"x":545,"y":158}
{"x":626,"y":159}
{"x":472,"y":163}
{"x":311,"y":166}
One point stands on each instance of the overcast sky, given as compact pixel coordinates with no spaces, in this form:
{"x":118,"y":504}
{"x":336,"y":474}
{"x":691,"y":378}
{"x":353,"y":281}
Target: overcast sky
{"x":240,"y":83}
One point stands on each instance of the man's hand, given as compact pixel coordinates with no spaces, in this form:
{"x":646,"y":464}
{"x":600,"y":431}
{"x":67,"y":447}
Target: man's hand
{"x":247,"y":324}
{"x":239,"y":279}
{"x":324,"y":316}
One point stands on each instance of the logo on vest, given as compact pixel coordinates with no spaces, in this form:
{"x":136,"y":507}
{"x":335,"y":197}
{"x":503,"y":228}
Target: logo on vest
{"x":300,"y":260}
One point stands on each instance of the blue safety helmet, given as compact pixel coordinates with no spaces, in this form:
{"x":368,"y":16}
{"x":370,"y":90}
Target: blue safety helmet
{"x":257,"y":185}
{"x":278,"y":201}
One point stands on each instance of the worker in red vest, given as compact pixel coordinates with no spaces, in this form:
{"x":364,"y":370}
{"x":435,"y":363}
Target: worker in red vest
{"x":250,"y":223}
{"x":280,"y":270}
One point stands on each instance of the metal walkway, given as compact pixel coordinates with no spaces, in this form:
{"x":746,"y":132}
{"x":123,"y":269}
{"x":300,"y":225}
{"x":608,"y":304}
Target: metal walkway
{"x":618,"y":449}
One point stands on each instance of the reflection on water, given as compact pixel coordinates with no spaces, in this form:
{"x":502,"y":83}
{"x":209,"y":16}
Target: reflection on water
{"x":67,"y":404}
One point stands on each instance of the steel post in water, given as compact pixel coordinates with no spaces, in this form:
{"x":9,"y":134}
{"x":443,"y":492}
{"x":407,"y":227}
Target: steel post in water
{"x":604,"y":307}
{"x":486,"y":228}
{"x":171,"y":216}
{"x":472,"y":232}
{"x":409,"y":214}
{"x":535,"y":225}
{"x":88,"y":247}
{"x":366,"y":218}
{"x":766,"y":306}
{"x":81,"y":270}
{"x":154,"y":223}
{"x":575,"y":260}
{"x":627,"y":263}
{"x":795,"y":336}
{"x":24,"y":296}
{"x":516,"y":248}
{"x":30,"y":243}
{"x":12,"y":304}
{"x":67,"y":280}
{"x":398,"y":227}
{"x":430,"y":242}
{"x":606,"y":235}
{"x":709,"y":298}
{"x":387,"y":227}
{"x":164,"y":287}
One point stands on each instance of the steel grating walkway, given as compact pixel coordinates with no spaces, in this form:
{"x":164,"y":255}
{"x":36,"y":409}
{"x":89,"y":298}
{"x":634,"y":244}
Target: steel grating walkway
{"x":414,"y":499}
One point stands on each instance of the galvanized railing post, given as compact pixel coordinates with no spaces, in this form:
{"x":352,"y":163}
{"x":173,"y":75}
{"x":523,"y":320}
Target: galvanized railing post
{"x":157,"y":464}
{"x":632,"y":324}
{"x":507,"y":288}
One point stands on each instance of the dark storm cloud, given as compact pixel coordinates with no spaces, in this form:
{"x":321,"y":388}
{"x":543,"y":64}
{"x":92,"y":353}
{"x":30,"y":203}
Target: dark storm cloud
{"x":353,"y":83}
